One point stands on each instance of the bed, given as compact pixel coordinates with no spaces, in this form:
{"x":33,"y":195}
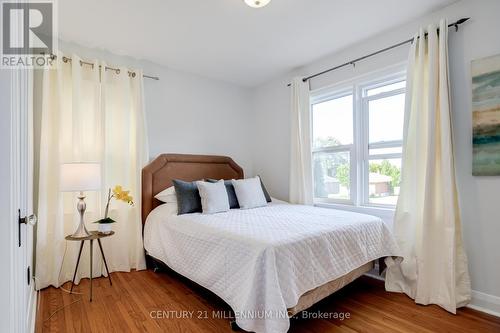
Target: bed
{"x":267,"y":263}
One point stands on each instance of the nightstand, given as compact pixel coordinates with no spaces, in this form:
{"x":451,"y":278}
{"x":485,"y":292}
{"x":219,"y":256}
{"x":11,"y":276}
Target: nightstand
{"x":94,"y":235}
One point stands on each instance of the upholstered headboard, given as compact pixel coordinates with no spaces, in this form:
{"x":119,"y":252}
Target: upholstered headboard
{"x":158,"y":174}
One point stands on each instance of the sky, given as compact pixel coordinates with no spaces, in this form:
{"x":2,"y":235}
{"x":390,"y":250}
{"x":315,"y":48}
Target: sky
{"x":335,"y":118}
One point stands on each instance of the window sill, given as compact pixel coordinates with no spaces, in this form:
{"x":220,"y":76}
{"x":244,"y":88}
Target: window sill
{"x":385,"y":213}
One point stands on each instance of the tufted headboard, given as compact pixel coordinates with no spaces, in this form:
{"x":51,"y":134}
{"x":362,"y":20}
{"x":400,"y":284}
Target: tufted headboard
{"x":158,"y":175}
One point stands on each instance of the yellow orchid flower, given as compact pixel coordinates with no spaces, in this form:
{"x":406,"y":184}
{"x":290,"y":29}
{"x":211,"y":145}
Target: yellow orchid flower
{"x":128,"y":199}
{"x":122,"y":195}
{"x":117,"y":190}
{"x":118,"y":194}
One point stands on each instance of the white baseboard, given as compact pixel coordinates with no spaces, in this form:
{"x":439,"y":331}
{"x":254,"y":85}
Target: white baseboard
{"x":32,"y":308}
{"x":485,"y":303}
{"x":480,"y":301}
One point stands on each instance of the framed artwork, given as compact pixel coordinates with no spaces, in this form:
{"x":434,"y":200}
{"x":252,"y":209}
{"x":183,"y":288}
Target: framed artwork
{"x":486,"y":116}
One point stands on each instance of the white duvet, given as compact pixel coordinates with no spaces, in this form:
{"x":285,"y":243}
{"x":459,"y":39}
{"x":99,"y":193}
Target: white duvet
{"x":260,"y":261}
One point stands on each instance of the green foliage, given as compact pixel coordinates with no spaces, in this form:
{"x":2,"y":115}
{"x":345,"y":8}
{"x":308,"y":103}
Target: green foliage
{"x":342,"y":174}
{"x":337,"y":166}
{"x":387,"y":169}
{"x":106,"y":220}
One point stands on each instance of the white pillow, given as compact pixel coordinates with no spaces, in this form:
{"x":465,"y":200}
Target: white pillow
{"x":168,"y":195}
{"x":249,"y":193}
{"x":214,"y":197}
{"x":167,"y":209}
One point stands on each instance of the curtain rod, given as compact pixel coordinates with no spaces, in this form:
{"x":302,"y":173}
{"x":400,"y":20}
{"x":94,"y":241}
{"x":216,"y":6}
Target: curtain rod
{"x":353,"y":62}
{"x":116,"y":70}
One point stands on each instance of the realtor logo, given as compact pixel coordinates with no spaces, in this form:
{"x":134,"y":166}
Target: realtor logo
{"x":28,"y":33}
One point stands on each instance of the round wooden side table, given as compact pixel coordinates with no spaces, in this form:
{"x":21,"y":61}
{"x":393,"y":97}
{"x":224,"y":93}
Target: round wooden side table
{"x":94,"y":235}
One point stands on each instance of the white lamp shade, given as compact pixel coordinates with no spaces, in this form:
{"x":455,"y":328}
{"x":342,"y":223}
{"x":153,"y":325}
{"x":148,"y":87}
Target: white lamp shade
{"x":77,"y":177}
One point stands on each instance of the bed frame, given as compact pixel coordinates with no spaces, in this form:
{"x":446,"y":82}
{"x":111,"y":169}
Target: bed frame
{"x":158,"y":175}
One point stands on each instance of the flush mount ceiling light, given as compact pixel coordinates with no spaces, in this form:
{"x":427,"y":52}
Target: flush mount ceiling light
{"x":257,"y":3}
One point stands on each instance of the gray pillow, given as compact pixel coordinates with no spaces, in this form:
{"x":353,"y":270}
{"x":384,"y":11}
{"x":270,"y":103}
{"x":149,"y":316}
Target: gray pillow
{"x":266,"y":194}
{"x":231,"y":195}
{"x":188,"y":197}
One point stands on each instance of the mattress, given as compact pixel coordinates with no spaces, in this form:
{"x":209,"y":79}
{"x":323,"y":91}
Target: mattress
{"x":261,"y":261}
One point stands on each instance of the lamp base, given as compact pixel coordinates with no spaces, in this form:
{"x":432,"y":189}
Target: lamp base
{"x":81,"y":232}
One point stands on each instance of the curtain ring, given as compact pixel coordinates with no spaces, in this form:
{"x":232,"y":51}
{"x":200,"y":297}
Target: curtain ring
{"x":65,"y":59}
{"x":133,"y":74}
{"x":117,"y":71}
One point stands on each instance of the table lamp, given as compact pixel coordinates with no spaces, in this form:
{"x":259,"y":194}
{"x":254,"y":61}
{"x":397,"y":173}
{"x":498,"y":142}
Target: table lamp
{"x":80,"y":177}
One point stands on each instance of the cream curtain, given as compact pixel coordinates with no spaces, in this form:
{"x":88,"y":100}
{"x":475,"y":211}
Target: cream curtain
{"x":427,"y":220}
{"x":301,"y":189}
{"x":89,"y":115}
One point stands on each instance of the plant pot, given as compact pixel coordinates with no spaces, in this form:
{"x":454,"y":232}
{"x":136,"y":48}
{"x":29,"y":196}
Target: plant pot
{"x":105,"y":228}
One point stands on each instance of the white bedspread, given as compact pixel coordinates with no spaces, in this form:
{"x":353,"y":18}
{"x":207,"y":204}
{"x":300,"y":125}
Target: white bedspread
{"x":260,"y":261}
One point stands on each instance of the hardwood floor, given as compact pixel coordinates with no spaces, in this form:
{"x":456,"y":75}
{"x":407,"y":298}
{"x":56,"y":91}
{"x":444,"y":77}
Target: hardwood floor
{"x":136,"y":297}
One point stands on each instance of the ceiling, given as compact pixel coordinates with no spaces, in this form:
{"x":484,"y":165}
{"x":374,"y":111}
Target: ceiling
{"x":227,"y":40}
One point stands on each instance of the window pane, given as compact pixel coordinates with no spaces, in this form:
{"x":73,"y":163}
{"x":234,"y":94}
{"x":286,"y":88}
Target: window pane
{"x":332,"y":122}
{"x":386,"y":118}
{"x":331,"y":175}
{"x":383,"y":151}
{"x":384,"y":181}
{"x":386,"y":88}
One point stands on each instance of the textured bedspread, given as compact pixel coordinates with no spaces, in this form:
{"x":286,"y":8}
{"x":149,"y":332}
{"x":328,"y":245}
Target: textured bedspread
{"x":260,"y":261}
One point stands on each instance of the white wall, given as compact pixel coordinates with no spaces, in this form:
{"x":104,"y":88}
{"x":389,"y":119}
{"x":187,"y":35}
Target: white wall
{"x":187,"y":113}
{"x":479,"y":196}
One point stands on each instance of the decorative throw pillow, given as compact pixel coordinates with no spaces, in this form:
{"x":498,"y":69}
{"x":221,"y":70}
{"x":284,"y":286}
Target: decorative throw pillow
{"x":231,"y":195}
{"x":167,"y":195}
{"x":249,"y":193}
{"x":188,"y":197}
{"x":266,"y":194}
{"x":214,"y":197}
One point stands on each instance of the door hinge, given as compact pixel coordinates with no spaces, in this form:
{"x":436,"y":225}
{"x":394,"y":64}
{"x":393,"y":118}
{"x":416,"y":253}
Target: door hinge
{"x":29,"y":275}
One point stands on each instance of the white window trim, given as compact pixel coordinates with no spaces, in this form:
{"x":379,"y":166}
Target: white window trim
{"x":359,"y":149}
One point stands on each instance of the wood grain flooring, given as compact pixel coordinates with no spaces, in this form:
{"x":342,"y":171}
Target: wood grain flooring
{"x":143,"y":302}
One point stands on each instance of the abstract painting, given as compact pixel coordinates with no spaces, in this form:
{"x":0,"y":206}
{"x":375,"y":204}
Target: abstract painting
{"x":486,"y":116}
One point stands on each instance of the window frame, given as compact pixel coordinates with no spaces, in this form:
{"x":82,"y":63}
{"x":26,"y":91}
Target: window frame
{"x":359,"y":150}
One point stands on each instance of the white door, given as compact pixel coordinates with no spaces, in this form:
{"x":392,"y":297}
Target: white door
{"x":22,"y":198}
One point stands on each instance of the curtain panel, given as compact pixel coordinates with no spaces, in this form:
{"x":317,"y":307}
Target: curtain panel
{"x":427,"y":222}
{"x":89,"y":115}
{"x":301,"y":188}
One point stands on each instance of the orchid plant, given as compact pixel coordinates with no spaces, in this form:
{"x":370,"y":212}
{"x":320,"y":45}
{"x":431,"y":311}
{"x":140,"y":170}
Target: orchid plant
{"x":118,"y":193}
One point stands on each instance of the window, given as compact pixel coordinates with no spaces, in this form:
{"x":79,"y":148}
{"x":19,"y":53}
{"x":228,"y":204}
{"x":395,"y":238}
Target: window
{"x":357,"y":135}
{"x":333,"y":139}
